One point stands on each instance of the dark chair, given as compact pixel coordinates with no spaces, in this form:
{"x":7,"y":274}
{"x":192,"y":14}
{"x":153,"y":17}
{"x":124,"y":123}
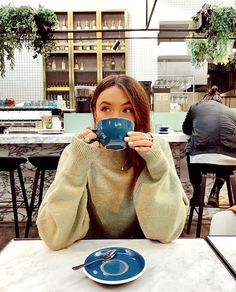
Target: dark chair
{"x":231,"y":189}
{"x":42,"y":163}
{"x":10,"y":164}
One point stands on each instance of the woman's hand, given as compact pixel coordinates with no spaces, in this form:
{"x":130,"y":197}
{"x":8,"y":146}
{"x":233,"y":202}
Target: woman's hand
{"x":139,"y":141}
{"x":87,"y":136}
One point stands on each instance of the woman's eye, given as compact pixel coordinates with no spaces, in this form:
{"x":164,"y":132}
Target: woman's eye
{"x":128,"y":110}
{"x":105,"y":109}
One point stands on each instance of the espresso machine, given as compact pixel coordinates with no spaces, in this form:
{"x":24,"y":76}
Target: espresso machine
{"x":83,"y":96}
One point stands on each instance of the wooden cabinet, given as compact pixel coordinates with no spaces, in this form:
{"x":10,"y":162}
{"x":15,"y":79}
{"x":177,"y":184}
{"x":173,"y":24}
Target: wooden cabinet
{"x":85,"y":55}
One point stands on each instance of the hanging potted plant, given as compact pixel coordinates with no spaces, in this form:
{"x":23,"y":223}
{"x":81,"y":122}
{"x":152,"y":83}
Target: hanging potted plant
{"x":25,"y":26}
{"x":215,"y":29}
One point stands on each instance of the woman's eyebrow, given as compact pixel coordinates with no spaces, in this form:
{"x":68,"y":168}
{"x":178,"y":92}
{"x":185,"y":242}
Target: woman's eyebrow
{"x":105,"y":102}
{"x":108,"y":103}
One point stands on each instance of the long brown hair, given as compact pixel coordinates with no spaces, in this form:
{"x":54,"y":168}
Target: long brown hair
{"x":140,"y":103}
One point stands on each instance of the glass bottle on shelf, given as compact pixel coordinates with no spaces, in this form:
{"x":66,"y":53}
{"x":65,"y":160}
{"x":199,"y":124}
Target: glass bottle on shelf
{"x":78,"y":27}
{"x":113,"y":25}
{"x":49,"y":65}
{"x":54,"y":65}
{"x":94,"y":24}
{"x":81,"y":67}
{"x":123,"y":62}
{"x":107,"y":63}
{"x":63,"y":64}
{"x":78,"y":36}
{"x":86,"y":27}
{"x":120,"y":26}
{"x":105,"y":26}
{"x":103,"y":63}
{"x":88,"y":46}
{"x":94,"y":47}
{"x":113,"y":63}
{"x":76,"y":65}
{"x":63,"y":25}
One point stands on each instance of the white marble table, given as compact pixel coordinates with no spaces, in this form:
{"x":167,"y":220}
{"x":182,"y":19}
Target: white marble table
{"x":225,"y":247}
{"x":185,"y":265}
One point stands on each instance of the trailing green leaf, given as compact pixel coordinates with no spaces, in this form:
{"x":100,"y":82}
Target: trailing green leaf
{"x":218,"y":27}
{"x":25,"y":26}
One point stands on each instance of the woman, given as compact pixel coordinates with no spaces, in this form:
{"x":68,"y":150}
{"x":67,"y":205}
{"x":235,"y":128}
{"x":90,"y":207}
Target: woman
{"x":99,"y":193}
{"x":212,"y":127}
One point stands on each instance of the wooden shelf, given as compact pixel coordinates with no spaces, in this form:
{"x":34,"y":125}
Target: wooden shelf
{"x":88,"y":54}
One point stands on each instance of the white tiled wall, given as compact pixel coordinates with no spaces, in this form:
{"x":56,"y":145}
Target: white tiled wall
{"x":26,"y":81}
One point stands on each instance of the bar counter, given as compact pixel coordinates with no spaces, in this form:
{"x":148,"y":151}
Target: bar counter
{"x":65,"y":138}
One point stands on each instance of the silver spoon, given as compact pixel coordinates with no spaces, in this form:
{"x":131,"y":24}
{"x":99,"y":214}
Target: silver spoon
{"x":106,"y":257}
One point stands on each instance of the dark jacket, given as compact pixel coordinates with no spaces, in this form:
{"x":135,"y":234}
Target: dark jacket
{"x":212,"y":127}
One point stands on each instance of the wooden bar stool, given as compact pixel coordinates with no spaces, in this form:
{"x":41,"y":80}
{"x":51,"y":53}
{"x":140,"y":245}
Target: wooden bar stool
{"x":10,"y":164}
{"x":42,"y":163}
{"x":231,"y":189}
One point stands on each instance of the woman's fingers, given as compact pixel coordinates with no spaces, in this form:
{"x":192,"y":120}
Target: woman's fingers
{"x":86,"y":136}
{"x":139,"y":141}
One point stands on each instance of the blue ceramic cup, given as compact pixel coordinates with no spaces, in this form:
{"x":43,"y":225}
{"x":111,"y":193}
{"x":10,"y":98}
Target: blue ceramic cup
{"x":112,"y":131}
{"x":163,"y":130}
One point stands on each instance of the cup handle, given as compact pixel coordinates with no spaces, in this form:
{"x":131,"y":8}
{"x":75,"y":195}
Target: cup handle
{"x":95,"y":139}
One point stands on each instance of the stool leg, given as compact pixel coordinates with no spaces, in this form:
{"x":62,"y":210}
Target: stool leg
{"x":23,"y":190}
{"x":41,"y":187}
{"x":14,"y":203}
{"x":190,"y":218}
{"x":229,"y":191}
{"x":201,"y":205}
{"x":31,"y":207}
{"x":233,"y":184}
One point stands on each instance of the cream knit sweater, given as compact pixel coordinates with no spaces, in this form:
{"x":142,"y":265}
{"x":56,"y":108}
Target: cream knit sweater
{"x":91,"y":197}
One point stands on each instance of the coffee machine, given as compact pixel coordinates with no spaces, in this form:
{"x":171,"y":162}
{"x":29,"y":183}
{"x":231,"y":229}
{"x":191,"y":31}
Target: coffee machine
{"x":83,"y":96}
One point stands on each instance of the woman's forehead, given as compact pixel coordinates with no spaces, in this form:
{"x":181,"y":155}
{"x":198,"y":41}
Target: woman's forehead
{"x":113,"y":94}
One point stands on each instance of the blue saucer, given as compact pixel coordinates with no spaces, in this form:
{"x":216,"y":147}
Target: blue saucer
{"x":126,"y":266}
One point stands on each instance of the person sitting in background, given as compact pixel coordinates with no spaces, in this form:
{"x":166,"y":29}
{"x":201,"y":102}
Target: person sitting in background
{"x":99,"y":193}
{"x":212,"y":127}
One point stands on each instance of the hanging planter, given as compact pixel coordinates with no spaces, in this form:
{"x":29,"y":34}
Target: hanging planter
{"x":25,"y":26}
{"x":215,"y":26}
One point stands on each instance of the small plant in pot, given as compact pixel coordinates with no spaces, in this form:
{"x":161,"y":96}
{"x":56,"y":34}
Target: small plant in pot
{"x":215,"y":29}
{"x":25,"y":26}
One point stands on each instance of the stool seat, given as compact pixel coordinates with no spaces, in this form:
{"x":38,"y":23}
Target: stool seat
{"x":205,"y":169}
{"x":42,"y":163}
{"x":45,"y":162}
{"x":10,"y":164}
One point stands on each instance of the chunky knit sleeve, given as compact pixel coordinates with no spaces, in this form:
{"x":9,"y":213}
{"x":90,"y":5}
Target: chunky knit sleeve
{"x":160,"y":202}
{"x":63,"y":216}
